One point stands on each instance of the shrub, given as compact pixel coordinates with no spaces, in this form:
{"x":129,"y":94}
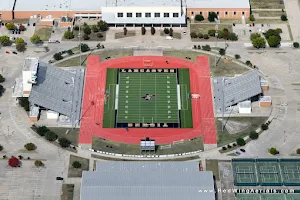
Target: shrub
{"x":253,"y":135}
{"x":125,"y":31}
{"x":86,"y":37}
{"x":200,"y":35}
{"x":199,"y":18}
{"x":271,"y":32}
{"x":278,"y":30}
{"x":222,"y":52}
{"x":64,"y":142}
{"x":143,"y":30}
{"x":68,"y":35}
{"x":21,"y":47}
{"x":206,"y":36}
{"x":152,"y":30}
{"x":87,"y":30}
{"x":51,"y":136}
{"x":4,"y":40}
{"x":84,"y":47}
{"x":2,"y":79}
{"x":76,"y":28}
{"x":233,"y":37}
{"x":296,"y":45}
{"x":220,"y":34}
{"x":264,"y":127}
{"x":283,"y":18}
{"x":251,"y":18}
{"x":30,"y":146}
{"x":102,"y":25}
{"x":274,"y":41}
{"x":206,"y":47}
{"x":95,"y":28}
{"x":171,"y":32}
{"x":99,"y":35}
{"x":224,"y":148}
{"x":23,"y":102}
{"x":273,"y":151}
{"x":22,"y":27}
{"x":166,"y":31}
{"x":229,"y":146}
{"x":248,"y":63}
{"x":19,"y":41}
{"x":70,"y":52}
{"x":259,"y":42}
{"x":237,"y":56}
{"x":193,"y":35}
{"x":212,"y":32}
{"x":1,"y":147}
{"x":212,"y":16}
{"x":41,"y":130}
{"x":234,"y":144}
{"x":199,"y":47}
{"x":298,"y":151}
{"x":35,"y":39}
{"x":76,"y":164}
{"x":240,"y":141}
{"x":58,"y":56}
{"x":38,"y":163}
{"x":10,"y":26}
{"x":195,"y":47}
{"x":254,"y":36}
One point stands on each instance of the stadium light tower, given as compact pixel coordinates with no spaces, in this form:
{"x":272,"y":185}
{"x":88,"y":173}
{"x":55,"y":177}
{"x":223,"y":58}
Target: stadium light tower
{"x":217,"y":20}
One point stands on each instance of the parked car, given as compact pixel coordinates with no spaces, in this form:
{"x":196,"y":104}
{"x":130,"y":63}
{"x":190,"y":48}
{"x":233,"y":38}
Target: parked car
{"x":184,"y":32}
{"x":243,"y":150}
{"x":14,"y":52}
{"x":169,"y":38}
{"x":53,"y":41}
{"x":59,"y":178}
{"x":238,"y":153}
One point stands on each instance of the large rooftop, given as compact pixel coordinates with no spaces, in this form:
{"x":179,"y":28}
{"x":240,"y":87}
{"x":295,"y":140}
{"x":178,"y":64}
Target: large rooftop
{"x":31,"y":64}
{"x":147,"y":181}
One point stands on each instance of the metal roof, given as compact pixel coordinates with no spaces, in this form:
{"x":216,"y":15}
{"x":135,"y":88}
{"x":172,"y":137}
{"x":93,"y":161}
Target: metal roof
{"x":235,"y":90}
{"x":7,"y":5}
{"x":30,"y":64}
{"x":58,"y":90}
{"x":218,"y":4}
{"x":147,"y":180}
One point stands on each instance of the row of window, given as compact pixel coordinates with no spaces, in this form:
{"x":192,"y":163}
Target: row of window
{"x":226,"y":13}
{"x":147,"y":15}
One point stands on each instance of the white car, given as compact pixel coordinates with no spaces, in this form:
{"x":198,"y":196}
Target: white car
{"x":169,"y":38}
{"x":53,"y":41}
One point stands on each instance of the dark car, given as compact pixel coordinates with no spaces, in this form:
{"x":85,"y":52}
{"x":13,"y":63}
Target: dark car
{"x":243,"y":150}
{"x":14,"y":52}
{"x":59,"y":178}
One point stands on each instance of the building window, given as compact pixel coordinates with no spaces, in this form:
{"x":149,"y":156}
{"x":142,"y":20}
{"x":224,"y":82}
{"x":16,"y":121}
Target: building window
{"x":120,"y":14}
{"x":156,"y":14}
{"x":234,"y":13}
{"x":129,"y":14}
{"x":148,"y":15}
{"x":166,"y":15}
{"x":138,"y":14}
{"x":192,"y":12}
{"x":175,"y":15}
{"x":226,"y":13}
{"x":201,"y":13}
{"x":243,"y":13}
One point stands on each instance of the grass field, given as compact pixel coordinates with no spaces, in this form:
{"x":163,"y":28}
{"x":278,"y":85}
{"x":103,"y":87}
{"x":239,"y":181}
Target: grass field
{"x":213,"y":165}
{"x":266,"y":4}
{"x":44,"y":32}
{"x":204,"y":28}
{"x":73,"y":172}
{"x":67,"y":192}
{"x":269,"y":13}
{"x":134,"y":108}
{"x":68,"y":133}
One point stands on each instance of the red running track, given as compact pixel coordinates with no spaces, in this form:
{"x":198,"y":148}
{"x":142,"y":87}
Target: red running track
{"x":93,"y":102}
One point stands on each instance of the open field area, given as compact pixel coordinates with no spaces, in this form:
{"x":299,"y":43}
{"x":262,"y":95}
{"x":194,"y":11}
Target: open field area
{"x":68,"y":133}
{"x":212,"y":165}
{"x":267,"y":21}
{"x":67,"y":192}
{"x":122,"y":148}
{"x":44,"y":32}
{"x":73,"y":172}
{"x":204,"y":28}
{"x":266,"y":4}
{"x":269,"y":13}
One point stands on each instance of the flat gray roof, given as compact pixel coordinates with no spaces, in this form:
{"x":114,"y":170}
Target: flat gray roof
{"x":158,"y":3}
{"x":58,"y":90}
{"x":147,"y":180}
{"x":218,"y":4}
{"x":236,"y":89}
{"x":7,"y":5}
{"x":30,"y":64}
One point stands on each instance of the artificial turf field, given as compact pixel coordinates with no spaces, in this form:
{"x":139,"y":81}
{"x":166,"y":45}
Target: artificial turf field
{"x":126,"y":94}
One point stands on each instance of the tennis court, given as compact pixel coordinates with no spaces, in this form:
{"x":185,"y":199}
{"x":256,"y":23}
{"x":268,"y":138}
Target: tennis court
{"x":268,"y":172}
{"x":273,"y":196}
{"x":264,"y":196}
{"x":292,"y":196}
{"x":244,"y":173}
{"x":290,"y":171}
{"x":240,"y":196}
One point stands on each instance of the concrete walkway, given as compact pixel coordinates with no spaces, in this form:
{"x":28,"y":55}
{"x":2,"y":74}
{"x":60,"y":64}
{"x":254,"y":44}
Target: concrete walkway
{"x":293,"y":15}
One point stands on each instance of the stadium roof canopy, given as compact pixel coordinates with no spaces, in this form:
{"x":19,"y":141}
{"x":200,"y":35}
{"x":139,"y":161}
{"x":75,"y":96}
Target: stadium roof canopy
{"x":218,"y":4}
{"x":58,"y":90}
{"x":235,"y":90}
{"x":147,"y":181}
{"x":7,"y":5}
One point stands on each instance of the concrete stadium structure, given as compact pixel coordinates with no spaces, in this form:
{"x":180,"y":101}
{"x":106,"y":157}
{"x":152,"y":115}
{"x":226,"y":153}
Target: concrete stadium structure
{"x":125,"y":12}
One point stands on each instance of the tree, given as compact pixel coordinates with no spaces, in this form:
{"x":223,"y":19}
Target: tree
{"x":76,"y":28}
{"x":298,"y":151}
{"x":166,"y":31}
{"x":4,"y":40}
{"x":152,"y":30}
{"x":23,"y":102}
{"x":273,"y":151}
{"x":206,"y":47}
{"x":251,"y":18}
{"x":233,"y":37}
{"x":64,"y":142}
{"x":1,"y":147}
{"x":21,"y":47}
{"x":41,"y":130}
{"x":296,"y":45}
{"x":212,"y":32}
{"x":240,"y":141}
{"x":254,"y":36}
{"x":76,"y":164}
{"x":274,"y":41}
{"x":51,"y":136}
{"x":171,"y":32}
{"x":143,"y":29}
{"x":2,"y":79}
{"x":35,"y":39}
{"x":193,"y":35}
{"x":10,"y":26}
{"x":199,"y":18}
{"x":68,"y":35}
{"x":58,"y":56}
{"x":225,"y":34}
{"x":22,"y":27}
{"x":206,"y":36}
{"x":13,"y":162}
{"x":30,"y":146}
{"x":259,"y":43}
{"x":237,"y":56}
{"x":271,"y":32}
{"x":212,"y":16}
{"x":125,"y":31}
{"x":222,"y":52}
{"x":102,"y":25}
{"x":278,"y":30}
{"x":95,"y":28}
{"x":99,"y":35}
{"x":87,"y":30}
{"x":253,"y":135}
{"x":19,"y":41}
{"x":264,"y":127}
{"x":84,"y":47}
{"x":283,"y":18}
{"x":38,"y":163}
{"x":70,"y":52}
{"x":200,"y":35}
{"x":86,"y":37}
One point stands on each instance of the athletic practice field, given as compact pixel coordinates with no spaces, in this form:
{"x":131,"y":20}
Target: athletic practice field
{"x":148,"y":98}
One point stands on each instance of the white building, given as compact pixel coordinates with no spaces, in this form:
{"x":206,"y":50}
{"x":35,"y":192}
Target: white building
{"x":245,"y":107}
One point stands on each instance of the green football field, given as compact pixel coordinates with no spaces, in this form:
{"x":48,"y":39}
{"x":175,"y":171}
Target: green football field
{"x":126,"y":95}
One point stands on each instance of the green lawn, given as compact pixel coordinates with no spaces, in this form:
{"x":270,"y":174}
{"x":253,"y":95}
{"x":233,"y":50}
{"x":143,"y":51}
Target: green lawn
{"x":204,"y":28}
{"x":269,"y":13}
{"x":67,"y":192}
{"x":225,"y":138}
{"x":165,"y":160}
{"x":212,"y":165}
{"x":109,"y":107}
{"x":266,"y":4}
{"x":73,"y":172}
{"x":44,"y":32}
{"x":186,"y":117}
{"x":122,"y":148}
{"x":68,"y":133}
